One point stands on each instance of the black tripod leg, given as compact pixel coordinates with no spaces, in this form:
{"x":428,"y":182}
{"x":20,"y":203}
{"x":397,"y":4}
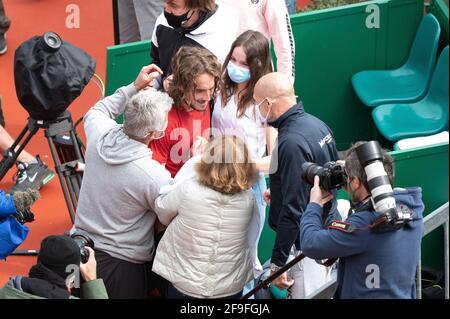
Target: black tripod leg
{"x":75,"y":144}
{"x":10,"y":155}
{"x":30,"y":252}
{"x":72,"y":192}
{"x":61,"y":177}
{"x":66,"y":154}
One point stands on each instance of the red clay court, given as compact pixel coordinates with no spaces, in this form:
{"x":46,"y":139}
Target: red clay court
{"x":30,"y":18}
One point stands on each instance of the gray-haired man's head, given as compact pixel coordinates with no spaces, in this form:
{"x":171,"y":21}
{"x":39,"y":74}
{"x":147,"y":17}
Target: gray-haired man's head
{"x":146,"y":113}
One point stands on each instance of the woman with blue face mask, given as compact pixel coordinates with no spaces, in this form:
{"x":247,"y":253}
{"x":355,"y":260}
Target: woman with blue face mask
{"x":235,"y":111}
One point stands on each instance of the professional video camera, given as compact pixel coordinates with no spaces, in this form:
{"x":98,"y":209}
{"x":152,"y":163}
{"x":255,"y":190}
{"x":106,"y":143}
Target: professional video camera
{"x":392,"y":218}
{"x":49,"y":75}
{"x":332,"y":175}
{"x":83,"y":240}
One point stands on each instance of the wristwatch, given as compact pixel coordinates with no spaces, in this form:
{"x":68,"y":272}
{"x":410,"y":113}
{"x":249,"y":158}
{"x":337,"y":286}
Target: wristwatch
{"x":275,"y":268}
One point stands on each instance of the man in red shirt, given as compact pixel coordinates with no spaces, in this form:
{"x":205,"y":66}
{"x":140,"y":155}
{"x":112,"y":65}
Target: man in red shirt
{"x":196,"y":73}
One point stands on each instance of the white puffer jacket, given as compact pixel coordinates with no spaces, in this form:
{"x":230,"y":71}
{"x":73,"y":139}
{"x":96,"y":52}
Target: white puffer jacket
{"x":204,"y":252}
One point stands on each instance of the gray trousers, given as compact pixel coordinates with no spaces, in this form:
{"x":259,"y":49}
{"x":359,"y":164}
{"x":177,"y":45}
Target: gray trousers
{"x":137,"y":19}
{"x":4,"y":21}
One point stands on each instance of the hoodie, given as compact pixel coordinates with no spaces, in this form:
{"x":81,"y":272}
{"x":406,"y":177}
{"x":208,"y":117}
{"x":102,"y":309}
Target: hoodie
{"x":19,"y":287}
{"x":120,"y":184}
{"x":214,"y":31}
{"x":371,"y":265}
{"x":271,"y":18}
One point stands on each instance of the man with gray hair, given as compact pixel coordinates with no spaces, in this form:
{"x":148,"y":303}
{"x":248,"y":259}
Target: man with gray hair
{"x":121,"y":182}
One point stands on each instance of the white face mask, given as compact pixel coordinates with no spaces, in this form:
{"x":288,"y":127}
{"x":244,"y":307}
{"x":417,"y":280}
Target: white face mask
{"x":265,"y":119}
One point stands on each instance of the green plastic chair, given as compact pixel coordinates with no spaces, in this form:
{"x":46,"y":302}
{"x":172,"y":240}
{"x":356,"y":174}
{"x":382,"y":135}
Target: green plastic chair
{"x":426,"y":117}
{"x":410,"y":82}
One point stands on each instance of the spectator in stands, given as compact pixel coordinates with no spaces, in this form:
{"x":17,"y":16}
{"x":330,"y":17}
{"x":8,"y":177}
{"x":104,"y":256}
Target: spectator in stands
{"x":271,"y":18}
{"x":206,"y":251}
{"x":235,"y":112}
{"x":137,"y":19}
{"x":196,"y":76}
{"x":301,"y":138}
{"x":53,"y":276}
{"x":200,"y":23}
{"x":121,"y":182}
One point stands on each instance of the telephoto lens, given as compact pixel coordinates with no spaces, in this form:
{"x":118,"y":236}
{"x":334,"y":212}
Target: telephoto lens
{"x":309,"y":171}
{"x":83,"y":240}
{"x":332,"y":175}
{"x":371,"y":158}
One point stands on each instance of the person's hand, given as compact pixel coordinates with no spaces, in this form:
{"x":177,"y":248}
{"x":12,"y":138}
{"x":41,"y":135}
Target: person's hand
{"x":318,"y":195}
{"x":199,"y":146}
{"x":167,"y":83}
{"x":145,"y":78}
{"x":89,"y":269}
{"x":283,"y":281}
{"x":266,"y":196}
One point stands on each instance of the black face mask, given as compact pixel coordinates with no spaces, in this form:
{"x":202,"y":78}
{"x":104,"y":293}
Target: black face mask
{"x":176,"y":21}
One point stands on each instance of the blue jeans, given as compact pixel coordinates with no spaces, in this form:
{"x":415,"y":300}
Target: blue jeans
{"x":291,"y":6}
{"x":258,"y":189}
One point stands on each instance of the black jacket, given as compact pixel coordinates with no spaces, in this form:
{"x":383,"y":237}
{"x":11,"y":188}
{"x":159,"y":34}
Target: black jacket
{"x":301,"y":138}
{"x":214,"y":31}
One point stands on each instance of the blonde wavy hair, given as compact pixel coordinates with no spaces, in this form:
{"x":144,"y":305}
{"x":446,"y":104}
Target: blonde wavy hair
{"x":226,"y":166}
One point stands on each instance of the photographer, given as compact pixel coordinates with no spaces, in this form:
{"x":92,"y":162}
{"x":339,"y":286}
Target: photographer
{"x":53,"y":277}
{"x":373,"y":264}
{"x":14,"y":212}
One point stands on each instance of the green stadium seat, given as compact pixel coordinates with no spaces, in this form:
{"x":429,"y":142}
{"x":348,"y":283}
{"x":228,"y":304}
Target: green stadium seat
{"x":426,"y":117}
{"x":410,"y":82}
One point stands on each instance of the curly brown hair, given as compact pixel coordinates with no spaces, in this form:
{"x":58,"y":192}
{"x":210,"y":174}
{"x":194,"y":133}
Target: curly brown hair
{"x":187,"y":64}
{"x":256,"y":47}
{"x":226,"y":166}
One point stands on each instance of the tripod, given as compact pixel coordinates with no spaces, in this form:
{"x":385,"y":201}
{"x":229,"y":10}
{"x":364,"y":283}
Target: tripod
{"x":66,"y":154}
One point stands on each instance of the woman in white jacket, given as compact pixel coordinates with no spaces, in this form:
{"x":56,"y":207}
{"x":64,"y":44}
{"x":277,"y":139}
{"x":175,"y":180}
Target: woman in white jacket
{"x":205,"y":252}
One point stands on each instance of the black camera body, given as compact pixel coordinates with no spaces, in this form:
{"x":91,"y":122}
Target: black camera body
{"x":83,"y":240}
{"x":332,"y":175}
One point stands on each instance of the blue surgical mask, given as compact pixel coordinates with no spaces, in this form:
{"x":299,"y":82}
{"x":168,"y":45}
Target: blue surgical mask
{"x":238,"y":74}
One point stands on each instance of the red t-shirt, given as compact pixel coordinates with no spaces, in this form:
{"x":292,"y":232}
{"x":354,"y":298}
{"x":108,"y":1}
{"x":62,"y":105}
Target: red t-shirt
{"x":174,"y":149}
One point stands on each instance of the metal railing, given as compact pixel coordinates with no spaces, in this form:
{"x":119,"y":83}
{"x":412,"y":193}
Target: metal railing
{"x":431,"y":222}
